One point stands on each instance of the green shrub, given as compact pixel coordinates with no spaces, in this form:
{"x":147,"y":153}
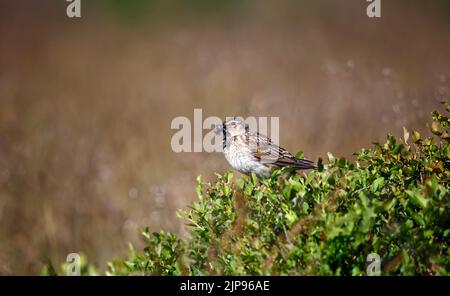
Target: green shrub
{"x":393,"y":201}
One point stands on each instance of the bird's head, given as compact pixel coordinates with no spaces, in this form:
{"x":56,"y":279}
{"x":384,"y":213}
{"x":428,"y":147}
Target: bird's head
{"x":232,"y":127}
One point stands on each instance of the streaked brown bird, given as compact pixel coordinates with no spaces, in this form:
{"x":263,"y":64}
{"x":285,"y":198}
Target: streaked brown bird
{"x":251,"y":152}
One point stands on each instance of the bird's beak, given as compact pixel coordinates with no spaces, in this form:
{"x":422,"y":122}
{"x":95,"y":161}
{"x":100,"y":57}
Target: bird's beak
{"x":218,"y":129}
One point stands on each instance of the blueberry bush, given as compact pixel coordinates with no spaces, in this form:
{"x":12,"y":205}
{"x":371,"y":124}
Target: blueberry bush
{"x":393,"y":200}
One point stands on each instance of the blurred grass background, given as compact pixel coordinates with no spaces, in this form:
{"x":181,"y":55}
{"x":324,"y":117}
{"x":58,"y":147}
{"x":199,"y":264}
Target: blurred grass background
{"x":86,"y":104}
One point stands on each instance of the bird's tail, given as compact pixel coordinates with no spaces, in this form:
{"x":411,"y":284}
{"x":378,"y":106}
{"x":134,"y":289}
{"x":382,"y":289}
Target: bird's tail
{"x":304,"y":164}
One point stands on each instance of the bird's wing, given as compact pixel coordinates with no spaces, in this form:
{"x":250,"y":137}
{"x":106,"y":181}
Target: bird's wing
{"x":264,"y":150}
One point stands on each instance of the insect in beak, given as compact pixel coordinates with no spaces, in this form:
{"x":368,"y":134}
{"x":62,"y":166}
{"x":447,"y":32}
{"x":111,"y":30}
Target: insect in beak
{"x":218,"y":129}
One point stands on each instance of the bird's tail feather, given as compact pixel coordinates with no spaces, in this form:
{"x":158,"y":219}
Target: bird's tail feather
{"x":304,"y":164}
{"x":299,"y":164}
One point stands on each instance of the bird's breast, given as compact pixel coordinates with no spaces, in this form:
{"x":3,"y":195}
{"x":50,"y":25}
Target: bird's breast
{"x":241,"y":159}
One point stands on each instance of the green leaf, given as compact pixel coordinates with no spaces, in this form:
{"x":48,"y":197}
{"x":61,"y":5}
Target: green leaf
{"x":299,"y":154}
{"x":291,"y":218}
{"x":416,"y":136}
{"x":377,"y":184}
{"x":435,"y":128}
{"x":405,"y":135}
{"x":417,"y":197}
{"x":447,"y":233}
{"x":240,"y":183}
{"x":331,"y":158}
{"x":229,"y":177}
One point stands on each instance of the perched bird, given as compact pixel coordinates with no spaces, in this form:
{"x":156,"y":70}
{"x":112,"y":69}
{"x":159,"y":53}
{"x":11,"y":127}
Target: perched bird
{"x":251,"y":152}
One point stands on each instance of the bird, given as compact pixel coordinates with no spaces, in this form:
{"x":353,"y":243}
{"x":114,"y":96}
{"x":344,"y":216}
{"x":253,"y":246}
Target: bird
{"x":251,"y":152}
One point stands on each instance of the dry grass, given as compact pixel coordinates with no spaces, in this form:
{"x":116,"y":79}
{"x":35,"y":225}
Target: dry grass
{"x":85,"y":109}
